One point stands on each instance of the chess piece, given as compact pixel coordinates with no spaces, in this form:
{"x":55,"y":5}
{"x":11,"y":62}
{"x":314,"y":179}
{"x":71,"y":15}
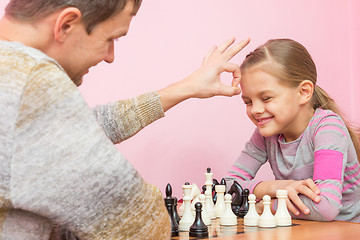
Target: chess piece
{"x":203,"y":189}
{"x":187,"y":219}
{"x":210,"y":207}
{"x":252,"y":217}
{"x":282,"y":214}
{"x":220,"y":204}
{"x":198,"y":229}
{"x":267,"y":219}
{"x":181,"y":209}
{"x":214,"y":194}
{"x":210,"y":210}
{"x":228,"y":218}
{"x":245,"y":204}
{"x":176,"y":214}
{"x":195,"y":194}
{"x":236,"y":190}
{"x":223,"y":182}
{"x":170,"y":203}
{"x":205,"y":216}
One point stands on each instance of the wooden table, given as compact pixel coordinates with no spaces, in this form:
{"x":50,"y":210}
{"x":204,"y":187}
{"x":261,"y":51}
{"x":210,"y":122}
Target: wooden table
{"x":301,"y":229}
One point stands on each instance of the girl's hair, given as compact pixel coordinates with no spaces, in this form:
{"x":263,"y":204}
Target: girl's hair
{"x":291,"y":63}
{"x":93,"y":11}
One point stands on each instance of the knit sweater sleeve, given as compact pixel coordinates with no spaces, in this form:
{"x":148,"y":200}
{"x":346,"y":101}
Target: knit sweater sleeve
{"x":248,"y":163}
{"x":65,"y":169}
{"x":122,"y":119}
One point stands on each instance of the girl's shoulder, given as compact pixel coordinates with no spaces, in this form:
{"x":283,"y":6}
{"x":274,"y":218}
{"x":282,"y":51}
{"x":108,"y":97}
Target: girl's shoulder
{"x":326,"y":121}
{"x":324,"y":117}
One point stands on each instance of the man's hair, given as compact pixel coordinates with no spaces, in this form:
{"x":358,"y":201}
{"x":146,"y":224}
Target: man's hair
{"x":93,"y":11}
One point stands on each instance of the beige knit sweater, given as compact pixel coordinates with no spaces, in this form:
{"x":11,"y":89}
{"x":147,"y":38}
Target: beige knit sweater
{"x":58,"y":164}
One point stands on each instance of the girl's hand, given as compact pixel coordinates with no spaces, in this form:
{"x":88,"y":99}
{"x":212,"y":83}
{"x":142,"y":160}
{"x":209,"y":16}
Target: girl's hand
{"x":306,"y":187}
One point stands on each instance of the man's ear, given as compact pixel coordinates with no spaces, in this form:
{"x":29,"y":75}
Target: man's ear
{"x":306,"y":90}
{"x":66,"y":21}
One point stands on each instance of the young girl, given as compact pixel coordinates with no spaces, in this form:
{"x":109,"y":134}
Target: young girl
{"x":312,"y":151}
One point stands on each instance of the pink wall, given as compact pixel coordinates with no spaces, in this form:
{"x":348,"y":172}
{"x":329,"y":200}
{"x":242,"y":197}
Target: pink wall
{"x":167,"y":41}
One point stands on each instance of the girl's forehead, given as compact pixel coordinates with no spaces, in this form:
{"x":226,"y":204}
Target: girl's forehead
{"x":258,"y":75}
{"x":257,"y":81}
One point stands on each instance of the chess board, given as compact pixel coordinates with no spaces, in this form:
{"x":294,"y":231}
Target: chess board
{"x":216,"y":231}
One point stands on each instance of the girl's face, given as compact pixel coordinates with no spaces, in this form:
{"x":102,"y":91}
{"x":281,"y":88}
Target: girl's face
{"x":273,"y":107}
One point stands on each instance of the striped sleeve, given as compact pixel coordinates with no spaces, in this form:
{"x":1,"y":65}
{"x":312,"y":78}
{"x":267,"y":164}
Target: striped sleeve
{"x":248,"y":163}
{"x":331,"y":140}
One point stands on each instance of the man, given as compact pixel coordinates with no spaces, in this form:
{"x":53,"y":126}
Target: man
{"x":58,"y":165}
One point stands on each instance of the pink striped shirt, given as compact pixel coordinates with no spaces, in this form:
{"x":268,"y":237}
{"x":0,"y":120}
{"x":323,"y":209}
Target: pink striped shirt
{"x":324,"y":153}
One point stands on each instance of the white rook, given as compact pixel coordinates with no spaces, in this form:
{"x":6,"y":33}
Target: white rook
{"x":282,"y":214}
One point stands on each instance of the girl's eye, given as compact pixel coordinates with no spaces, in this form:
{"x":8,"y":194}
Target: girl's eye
{"x":266,"y":99}
{"x":247,"y":103}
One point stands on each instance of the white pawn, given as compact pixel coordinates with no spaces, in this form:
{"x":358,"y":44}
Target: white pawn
{"x":209,"y":205}
{"x":220,"y":204}
{"x":228,"y":218}
{"x":205,"y":216}
{"x":267,"y":219}
{"x":252,"y":217}
{"x":188,"y":218}
{"x":282,"y":214}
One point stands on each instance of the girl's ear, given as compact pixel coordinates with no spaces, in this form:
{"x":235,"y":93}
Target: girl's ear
{"x":306,"y":90}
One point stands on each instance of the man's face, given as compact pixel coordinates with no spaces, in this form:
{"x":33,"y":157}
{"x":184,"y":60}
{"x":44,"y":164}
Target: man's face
{"x":84,"y":51}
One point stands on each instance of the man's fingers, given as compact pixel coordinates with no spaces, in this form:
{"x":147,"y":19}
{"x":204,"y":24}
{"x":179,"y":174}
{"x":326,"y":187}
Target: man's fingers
{"x":212,"y":50}
{"x":235,"y":70}
{"x":232,"y":51}
{"x":226,"y":44}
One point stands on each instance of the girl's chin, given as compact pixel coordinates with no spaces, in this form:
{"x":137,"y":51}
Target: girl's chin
{"x":266,"y":133}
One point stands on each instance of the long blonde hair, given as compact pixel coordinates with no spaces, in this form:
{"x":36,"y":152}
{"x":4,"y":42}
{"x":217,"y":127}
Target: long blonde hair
{"x":291,"y":63}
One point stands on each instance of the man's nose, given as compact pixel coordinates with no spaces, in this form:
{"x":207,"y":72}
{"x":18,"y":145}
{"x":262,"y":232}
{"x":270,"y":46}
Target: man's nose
{"x":110,"y":56}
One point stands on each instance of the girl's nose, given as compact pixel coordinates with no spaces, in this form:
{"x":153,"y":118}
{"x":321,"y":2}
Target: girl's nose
{"x":257,"y":108}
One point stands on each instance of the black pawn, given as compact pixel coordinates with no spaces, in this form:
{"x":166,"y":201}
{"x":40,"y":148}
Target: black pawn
{"x":237,"y":191}
{"x":198,"y":229}
{"x":176,"y":214}
{"x":214,"y":193}
{"x":170,"y":203}
{"x":203,"y":189}
{"x":245,"y":204}
{"x":223,"y":182}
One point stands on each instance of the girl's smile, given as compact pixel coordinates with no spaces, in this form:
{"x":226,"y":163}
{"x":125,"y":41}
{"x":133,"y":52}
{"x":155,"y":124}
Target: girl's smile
{"x":262,"y":121}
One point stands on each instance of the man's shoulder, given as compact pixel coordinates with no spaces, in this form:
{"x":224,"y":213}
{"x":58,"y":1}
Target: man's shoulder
{"x":20,"y":53}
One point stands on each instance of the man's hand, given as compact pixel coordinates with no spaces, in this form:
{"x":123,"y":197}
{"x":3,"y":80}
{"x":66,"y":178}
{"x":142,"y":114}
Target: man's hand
{"x":205,"y":82}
